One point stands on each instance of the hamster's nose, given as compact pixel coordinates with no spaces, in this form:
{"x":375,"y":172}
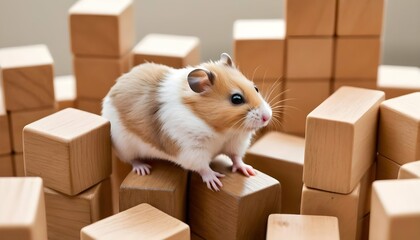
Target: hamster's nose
{"x":265,"y":118}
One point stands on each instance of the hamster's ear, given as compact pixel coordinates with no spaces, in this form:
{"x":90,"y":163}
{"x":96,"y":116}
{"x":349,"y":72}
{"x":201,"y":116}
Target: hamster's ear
{"x":226,"y":59}
{"x":200,"y":80}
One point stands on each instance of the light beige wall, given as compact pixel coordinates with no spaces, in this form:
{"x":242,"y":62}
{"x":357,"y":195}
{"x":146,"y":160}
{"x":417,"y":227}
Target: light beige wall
{"x":24,"y":22}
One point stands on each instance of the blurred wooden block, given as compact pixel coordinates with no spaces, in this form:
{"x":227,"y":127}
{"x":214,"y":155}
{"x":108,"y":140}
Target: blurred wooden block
{"x":19,"y":165}
{"x":5,"y":136}
{"x":396,"y":81}
{"x":140,"y":222}
{"x":399,"y":128}
{"x":102,"y":28}
{"x":171,"y":50}
{"x":280,"y":156}
{"x":302,"y":97}
{"x":360,"y":17}
{"x":22,"y":209}
{"x":309,"y":58}
{"x":65,"y":91}
{"x":89,"y":105}
{"x":96,"y":76}
{"x":360,"y":83}
{"x":409,"y":170}
{"x":232,"y":213}
{"x":363,"y":233}
{"x":259,"y":48}
{"x":6,"y":166}
{"x":285,"y":226}
{"x":66,"y":215}
{"x":310,"y":18}
{"x":70,"y":150}
{"x":386,"y":168}
{"x":196,"y":237}
{"x":18,"y":120}
{"x":348,"y":117}
{"x":357,"y":58}
{"x":165,"y":189}
{"x":120,"y":170}
{"x":348,"y":208}
{"x":395,"y":210}
{"x":27,"y":77}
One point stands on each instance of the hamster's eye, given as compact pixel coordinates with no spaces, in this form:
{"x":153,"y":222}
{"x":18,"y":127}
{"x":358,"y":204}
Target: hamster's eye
{"x":256,"y":89}
{"x":237,"y":99}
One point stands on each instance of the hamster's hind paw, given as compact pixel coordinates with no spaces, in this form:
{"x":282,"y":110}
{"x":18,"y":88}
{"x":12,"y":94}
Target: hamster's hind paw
{"x":141,"y":168}
{"x":211,"y":178}
{"x":246,"y":169}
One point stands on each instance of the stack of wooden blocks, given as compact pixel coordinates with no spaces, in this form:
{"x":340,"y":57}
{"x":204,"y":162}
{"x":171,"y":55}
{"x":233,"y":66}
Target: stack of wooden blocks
{"x":102,"y":36}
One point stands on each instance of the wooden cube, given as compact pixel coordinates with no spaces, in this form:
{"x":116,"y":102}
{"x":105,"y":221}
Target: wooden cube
{"x":67,"y":215}
{"x":120,"y":170}
{"x":96,"y":76}
{"x":302,"y":97}
{"x":18,"y":120}
{"x":140,"y":222}
{"x":165,"y":189}
{"x":360,"y":17}
{"x":89,"y":105}
{"x":309,"y":58}
{"x":310,"y":18}
{"x":386,"y":168}
{"x":171,"y":50}
{"x":280,"y":156}
{"x":396,"y":81}
{"x":395,"y":210}
{"x":357,"y":58}
{"x":70,"y":150}
{"x":19,"y":165}
{"x":348,"y":208}
{"x":363,"y":233}
{"x":259,"y":48}
{"x":239,"y":210}
{"x":409,"y":170}
{"x":101,"y":28}
{"x":399,"y":128}
{"x":6,"y":166}
{"x":27,"y":77}
{"x":287,"y":226}
{"x":360,"y":83}
{"x":341,"y":139}
{"x":22,"y":209}
{"x":5,"y":144}
{"x":65,"y":91}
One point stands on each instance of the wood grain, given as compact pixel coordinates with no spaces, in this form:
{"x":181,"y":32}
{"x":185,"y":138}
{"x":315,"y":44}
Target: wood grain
{"x":409,"y":170}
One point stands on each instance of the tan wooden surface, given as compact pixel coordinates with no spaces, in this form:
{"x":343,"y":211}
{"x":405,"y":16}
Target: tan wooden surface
{"x":27,"y":77}
{"x":6,"y":165}
{"x":300,"y":227}
{"x":70,"y":150}
{"x":360,"y":83}
{"x":386,"y":168}
{"x":410,"y":170}
{"x":104,"y":29}
{"x":65,"y":91}
{"x":280,"y":156}
{"x":395,"y":210}
{"x":140,"y":222}
{"x":22,"y":209}
{"x":396,"y":81}
{"x":119,"y":171}
{"x":341,"y":139}
{"x":5,"y":144}
{"x":172,"y":50}
{"x":89,"y":105}
{"x":19,"y":165}
{"x":399,"y":128}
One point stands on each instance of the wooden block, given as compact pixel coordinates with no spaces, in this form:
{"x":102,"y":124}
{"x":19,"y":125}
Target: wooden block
{"x":280,"y":156}
{"x":5,"y":143}
{"x":395,"y":210}
{"x":357,"y":58}
{"x":399,"y":128}
{"x":360,"y":17}
{"x":6,"y":166}
{"x":140,"y":222}
{"x":65,"y":91}
{"x":386,"y":168}
{"x":310,"y":18}
{"x":165,"y":189}
{"x":286,"y":226}
{"x":89,"y":105}
{"x":360,"y":83}
{"x":66,"y":215}
{"x":171,"y":50}
{"x":27,"y":77}
{"x":363,"y":233}
{"x":348,"y":208}
{"x":101,"y":28}
{"x":18,"y":120}
{"x":19,"y":165}
{"x":259,"y":47}
{"x":120,"y":170}
{"x":302,"y":97}
{"x":409,"y":170}
{"x":95,"y":76}
{"x":348,"y":117}
{"x":232,"y":213}
{"x":70,"y":150}
{"x":22,"y":209}
{"x":396,"y":81}
{"x":309,"y":58}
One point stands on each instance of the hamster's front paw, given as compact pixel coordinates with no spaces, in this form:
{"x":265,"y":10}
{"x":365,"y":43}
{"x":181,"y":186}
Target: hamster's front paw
{"x":140,"y":167}
{"x":246,"y":169}
{"x":211,"y":178}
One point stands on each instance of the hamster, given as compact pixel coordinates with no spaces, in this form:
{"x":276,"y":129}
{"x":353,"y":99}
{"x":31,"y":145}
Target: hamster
{"x":187,"y":116}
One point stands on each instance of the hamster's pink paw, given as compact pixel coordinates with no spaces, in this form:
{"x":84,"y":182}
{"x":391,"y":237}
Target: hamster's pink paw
{"x":246,"y":169}
{"x":211,"y":178}
{"x":141,"y":168}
